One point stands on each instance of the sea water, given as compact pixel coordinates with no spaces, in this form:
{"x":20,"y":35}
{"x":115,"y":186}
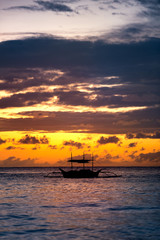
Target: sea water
{"x":34,"y":207}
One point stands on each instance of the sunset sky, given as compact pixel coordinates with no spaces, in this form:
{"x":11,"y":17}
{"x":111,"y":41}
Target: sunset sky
{"x":82,"y":77}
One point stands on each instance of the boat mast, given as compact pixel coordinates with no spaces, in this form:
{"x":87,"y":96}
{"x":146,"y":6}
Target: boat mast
{"x":83,"y":162}
{"x":92,"y":161}
{"x":71,"y":161}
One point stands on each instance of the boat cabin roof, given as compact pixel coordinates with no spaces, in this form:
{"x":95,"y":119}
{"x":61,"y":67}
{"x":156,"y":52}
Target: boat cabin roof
{"x":79,"y":160}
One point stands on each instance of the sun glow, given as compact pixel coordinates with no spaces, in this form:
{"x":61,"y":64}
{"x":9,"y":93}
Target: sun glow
{"x":56,"y":150}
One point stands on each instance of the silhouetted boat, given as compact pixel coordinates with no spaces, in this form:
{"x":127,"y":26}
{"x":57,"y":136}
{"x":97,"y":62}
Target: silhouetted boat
{"x":80,"y":173}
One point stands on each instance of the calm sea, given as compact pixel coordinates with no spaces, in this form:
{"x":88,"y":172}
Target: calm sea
{"x":34,"y":207}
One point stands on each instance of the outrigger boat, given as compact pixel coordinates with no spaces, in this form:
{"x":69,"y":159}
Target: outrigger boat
{"x":80,"y":173}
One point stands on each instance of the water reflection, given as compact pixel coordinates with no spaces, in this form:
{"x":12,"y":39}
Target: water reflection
{"x":119,"y":208}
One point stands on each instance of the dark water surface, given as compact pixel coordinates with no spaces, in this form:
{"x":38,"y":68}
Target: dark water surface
{"x":34,"y":207}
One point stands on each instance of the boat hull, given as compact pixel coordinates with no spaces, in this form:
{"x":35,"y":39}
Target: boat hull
{"x":83,"y":173}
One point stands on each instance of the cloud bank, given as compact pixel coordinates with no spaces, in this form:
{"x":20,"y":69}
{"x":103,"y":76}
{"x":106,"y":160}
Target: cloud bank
{"x":43,"y":6}
{"x":91,"y":86}
{"x":17,"y":162}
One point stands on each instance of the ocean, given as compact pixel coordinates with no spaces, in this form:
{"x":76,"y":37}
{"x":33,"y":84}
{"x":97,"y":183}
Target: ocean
{"x":34,"y":207}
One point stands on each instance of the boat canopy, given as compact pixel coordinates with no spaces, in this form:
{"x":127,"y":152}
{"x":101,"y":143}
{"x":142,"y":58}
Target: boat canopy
{"x":79,"y":160}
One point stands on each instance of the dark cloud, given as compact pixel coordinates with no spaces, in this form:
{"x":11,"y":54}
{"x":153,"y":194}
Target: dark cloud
{"x":132,"y":33}
{"x":133,"y":156}
{"x":43,"y":6}
{"x":135,"y":64}
{"x":133,"y":144}
{"x":153,"y":157}
{"x":73,"y":144}
{"x":31,"y":65}
{"x":16,"y":79}
{"x":111,"y":139}
{"x":53,"y":147}
{"x":44,"y":140}
{"x":143,"y":135}
{"x":62,"y":53}
{"x":152,"y":8}
{"x":47,"y":5}
{"x":107,"y":160}
{"x":17,"y":162}
{"x":118,"y":13}
{"x":117,"y":96}
{"x":125,"y":95}
{"x":96,"y":122}
{"x":135,"y":32}
{"x":129,"y":135}
{"x":66,"y":96}
{"x":10,"y":148}
{"x":38,"y":114}
{"x":13,"y":147}
{"x":26,"y":99}
{"x":2,"y":141}
{"x":27,"y":139}
{"x":29,"y":8}
{"x":84,"y":58}
{"x":142,"y":149}
{"x":36,"y":147}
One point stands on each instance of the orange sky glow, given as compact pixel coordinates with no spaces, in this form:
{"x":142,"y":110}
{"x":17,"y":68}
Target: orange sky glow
{"x":58,"y":146}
